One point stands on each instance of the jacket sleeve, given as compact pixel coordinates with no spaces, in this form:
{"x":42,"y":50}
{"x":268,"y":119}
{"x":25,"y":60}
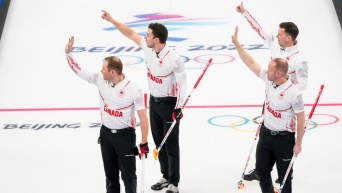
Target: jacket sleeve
{"x":302,"y":75}
{"x":181,"y":80}
{"x":90,"y":78}
{"x":268,"y":38}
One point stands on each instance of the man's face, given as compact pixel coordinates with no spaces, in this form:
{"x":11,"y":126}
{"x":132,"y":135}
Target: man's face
{"x":150,"y":39}
{"x":271,"y":71}
{"x":107,"y":75}
{"x":283,"y":37}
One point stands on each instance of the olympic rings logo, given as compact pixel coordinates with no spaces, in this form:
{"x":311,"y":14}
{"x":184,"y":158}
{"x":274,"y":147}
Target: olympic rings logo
{"x":132,"y":61}
{"x":236,"y":121}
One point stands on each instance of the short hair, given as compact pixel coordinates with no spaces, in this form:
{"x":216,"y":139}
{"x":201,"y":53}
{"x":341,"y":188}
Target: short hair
{"x":159,"y":31}
{"x":290,"y":28}
{"x":281,"y":65}
{"x":114,"y":63}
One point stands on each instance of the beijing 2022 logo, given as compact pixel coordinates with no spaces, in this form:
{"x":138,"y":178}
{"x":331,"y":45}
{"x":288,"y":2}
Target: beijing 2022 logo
{"x":171,"y":21}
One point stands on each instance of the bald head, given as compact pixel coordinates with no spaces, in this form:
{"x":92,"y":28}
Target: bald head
{"x":277,"y":70}
{"x":281,"y":65}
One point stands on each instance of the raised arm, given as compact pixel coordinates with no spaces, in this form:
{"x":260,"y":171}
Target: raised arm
{"x":91,"y":78}
{"x":125,"y":30}
{"x":245,"y":57}
{"x":268,"y":39}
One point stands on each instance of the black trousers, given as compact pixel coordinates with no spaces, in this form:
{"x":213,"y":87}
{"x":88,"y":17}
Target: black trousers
{"x":118,"y":156}
{"x":160,"y":120}
{"x":273,"y":149}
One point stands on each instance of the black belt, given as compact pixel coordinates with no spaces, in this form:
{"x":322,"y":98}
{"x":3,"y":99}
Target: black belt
{"x":162,"y":99}
{"x":117,"y":130}
{"x":275,"y":133}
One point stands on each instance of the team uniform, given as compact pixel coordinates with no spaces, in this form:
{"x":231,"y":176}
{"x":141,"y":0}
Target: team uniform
{"x":298,"y":67}
{"x":118,"y":104}
{"x":167,"y":84}
{"x":277,"y":135}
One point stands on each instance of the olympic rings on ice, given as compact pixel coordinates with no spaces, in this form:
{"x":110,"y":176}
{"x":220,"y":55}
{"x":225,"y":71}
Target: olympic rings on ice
{"x":235,"y":122}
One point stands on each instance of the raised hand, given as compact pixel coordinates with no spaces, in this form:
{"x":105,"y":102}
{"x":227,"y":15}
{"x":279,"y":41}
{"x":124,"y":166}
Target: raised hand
{"x":106,"y":16}
{"x":69,"y":45}
{"x":240,"y":8}
{"x":235,"y":36}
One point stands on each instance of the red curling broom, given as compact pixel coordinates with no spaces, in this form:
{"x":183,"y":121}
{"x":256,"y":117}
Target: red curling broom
{"x":156,"y":151}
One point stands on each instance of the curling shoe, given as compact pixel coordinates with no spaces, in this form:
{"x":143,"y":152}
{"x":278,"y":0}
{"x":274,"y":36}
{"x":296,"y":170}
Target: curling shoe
{"x":172,"y":189}
{"x":162,"y":183}
{"x":251,"y":175}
